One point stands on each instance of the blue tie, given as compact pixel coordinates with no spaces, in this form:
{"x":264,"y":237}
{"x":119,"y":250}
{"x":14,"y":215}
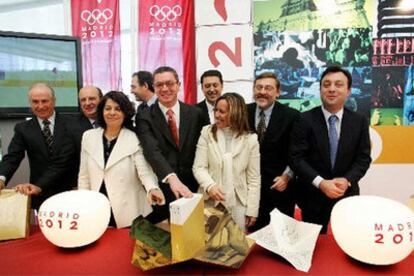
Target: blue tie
{"x":333,"y":138}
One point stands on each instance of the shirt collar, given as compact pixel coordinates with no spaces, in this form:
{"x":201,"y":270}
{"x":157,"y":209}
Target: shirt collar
{"x":328,"y":114}
{"x":152,"y":100}
{"x":267,"y":111}
{"x":51,"y":119}
{"x":210,"y":107}
{"x":175,"y":108}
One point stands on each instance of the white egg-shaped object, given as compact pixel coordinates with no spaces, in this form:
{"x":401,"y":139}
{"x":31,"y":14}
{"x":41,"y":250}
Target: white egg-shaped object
{"x":373,"y":230}
{"x":74,"y":218}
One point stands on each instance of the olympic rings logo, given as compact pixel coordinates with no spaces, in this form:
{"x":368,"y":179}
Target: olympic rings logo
{"x":165,"y":12}
{"x":96,"y":16}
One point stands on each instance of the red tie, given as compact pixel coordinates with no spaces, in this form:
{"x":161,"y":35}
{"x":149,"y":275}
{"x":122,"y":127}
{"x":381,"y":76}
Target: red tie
{"x":173,"y":126}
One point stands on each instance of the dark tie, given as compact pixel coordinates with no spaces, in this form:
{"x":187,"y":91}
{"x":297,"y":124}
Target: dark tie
{"x":142,"y":106}
{"x":94,"y":124}
{"x":173,"y":126}
{"x":261,"y":126}
{"x":48,"y":135}
{"x":333,"y":138}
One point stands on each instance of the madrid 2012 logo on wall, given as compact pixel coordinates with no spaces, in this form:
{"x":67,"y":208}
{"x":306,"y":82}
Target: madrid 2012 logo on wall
{"x":165,"y":22}
{"x":97,"y":23}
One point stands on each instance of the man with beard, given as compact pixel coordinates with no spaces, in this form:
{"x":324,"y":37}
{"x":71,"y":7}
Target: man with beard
{"x":272,"y":121}
{"x":142,"y":88}
{"x":212,"y":86}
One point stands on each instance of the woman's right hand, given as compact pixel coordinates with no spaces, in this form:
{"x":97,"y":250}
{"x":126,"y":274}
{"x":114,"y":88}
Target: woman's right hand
{"x":215,"y":193}
{"x":156,"y":196}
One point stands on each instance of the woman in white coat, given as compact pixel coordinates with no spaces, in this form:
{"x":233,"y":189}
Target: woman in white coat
{"x":112,"y":162}
{"x":227,"y":162}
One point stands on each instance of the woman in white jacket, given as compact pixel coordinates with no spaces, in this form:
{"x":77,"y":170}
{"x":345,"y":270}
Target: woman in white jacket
{"x":227,"y":162}
{"x":112,"y":162}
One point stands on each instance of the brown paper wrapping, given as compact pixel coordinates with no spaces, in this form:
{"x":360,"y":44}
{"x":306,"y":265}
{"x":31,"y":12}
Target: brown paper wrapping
{"x":14,"y":215}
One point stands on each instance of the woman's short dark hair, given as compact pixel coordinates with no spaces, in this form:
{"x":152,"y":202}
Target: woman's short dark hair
{"x":124,"y":103}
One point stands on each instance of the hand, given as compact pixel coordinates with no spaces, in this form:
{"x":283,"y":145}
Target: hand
{"x":155,"y":196}
{"x":215,"y":193}
{"x":280,"y":183}
{"x":178,"y":188}
{"x":250,"y":221}
{"x":28,"y":189}
{"x":342,"y":183}
{"x":330,"y":189}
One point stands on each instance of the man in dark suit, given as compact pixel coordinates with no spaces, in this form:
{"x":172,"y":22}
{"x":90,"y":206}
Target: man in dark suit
{"x":212,"y":87}
{"x":272,"y":121}
{"x":50,"y":151}
{"x":89,"y":97}
{"x":169,"y":132}
{"x":330,"y":149}
{"x":142,"y":88}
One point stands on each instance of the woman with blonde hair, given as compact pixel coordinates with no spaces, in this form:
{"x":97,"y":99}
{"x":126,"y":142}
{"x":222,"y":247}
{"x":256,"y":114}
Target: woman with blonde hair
{"x":227,"y":162}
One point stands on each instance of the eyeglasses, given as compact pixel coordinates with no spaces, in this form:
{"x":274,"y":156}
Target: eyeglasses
{"x":169,"y":84}
{"x":267,"y":88}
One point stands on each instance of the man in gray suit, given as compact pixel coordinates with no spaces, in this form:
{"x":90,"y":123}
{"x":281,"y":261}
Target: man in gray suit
{"x":330,"y":149}
{"x":169,"y":132}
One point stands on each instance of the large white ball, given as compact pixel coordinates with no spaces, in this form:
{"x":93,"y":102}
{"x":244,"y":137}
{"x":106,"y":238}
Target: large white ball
{"x":373,"y":229}
{"x":74,"y":218}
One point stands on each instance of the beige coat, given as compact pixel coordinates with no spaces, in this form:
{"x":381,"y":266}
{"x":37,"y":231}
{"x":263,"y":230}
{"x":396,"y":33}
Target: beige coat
{"x":123,"y":173}
{"x":209,"y":166}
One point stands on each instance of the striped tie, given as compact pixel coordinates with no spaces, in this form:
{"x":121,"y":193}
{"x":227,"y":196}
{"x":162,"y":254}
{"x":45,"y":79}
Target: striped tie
{"x":48,"y":135}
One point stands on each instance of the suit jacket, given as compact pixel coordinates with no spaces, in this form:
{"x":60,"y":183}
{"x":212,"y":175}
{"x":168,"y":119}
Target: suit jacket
{"x":203,"y":106}
{"x":210,"y":166}
{"x":160,"y":149}
{"x":310,"y":154}
{"x":77,"y":126}
{"x":274,"y":160}
{"x":275,"y":144}
{"x":124,"y":174}
{"x":53,"y":173}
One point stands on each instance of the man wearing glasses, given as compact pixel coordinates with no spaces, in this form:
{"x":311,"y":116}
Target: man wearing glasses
{"x":169,"y":131}
{"x":272,"y":121}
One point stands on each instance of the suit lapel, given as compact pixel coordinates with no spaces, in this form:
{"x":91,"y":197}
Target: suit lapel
{"x":37,"y":132}
{"x":219,"y":145}
{"x":344,"y":138}
{"x":161,"y":123}
{"x":95,"y":147}
{"x":184,"y":123}
{"x":85,"y":123}
{"x":276,"y":120}
{"x":124,"y":146}
{"x":322,"y":139}
{"x":252,"y":115}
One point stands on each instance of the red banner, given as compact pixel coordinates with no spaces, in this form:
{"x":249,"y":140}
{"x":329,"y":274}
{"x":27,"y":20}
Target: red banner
{"x":96,"y":22}
{"x":166,"y":37}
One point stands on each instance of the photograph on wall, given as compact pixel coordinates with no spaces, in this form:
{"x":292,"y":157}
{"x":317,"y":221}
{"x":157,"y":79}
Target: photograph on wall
{"x":408,"y":115}
{"x":387,"y":87}
{"x":386,"y":116}
{"x":299,"y":58}
{"x":303,"y":15}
